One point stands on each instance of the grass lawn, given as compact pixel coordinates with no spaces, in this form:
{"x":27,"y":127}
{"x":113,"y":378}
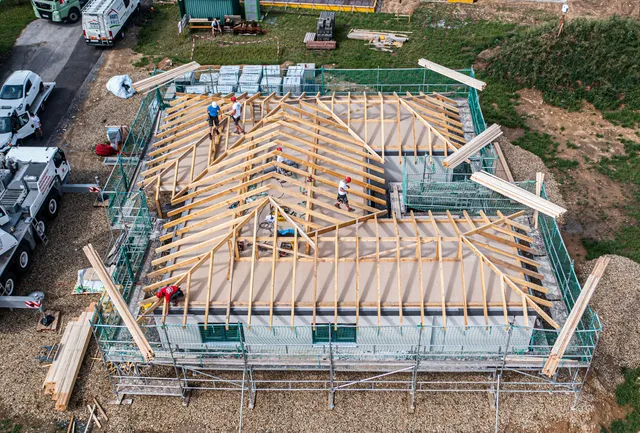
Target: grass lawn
{"x":14,"y":16}
{"x":436,"y":34}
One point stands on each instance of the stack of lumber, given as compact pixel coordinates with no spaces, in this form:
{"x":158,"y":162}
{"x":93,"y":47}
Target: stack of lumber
{"x":380,"y":40}
{"x":569,"y":328}
{"x":162,"y":78}
{"x":518,"y":194}
{"x":64,"y":370}
{"x":119,"y":303}
{"x":454,"y":75}
{"x":472,"y":147}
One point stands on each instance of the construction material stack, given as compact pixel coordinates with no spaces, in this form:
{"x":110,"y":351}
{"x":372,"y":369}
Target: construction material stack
{"x":325,"y":30}
{"x":228,"y":80}
{"x":380,"y":40}
{"x":324,"y":37}
{"x":63,"y":372}
{"x":250,"y":79}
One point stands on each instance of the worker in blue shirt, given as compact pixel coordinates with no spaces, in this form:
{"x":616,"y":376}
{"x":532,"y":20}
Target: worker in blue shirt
{"x":214,"y":121}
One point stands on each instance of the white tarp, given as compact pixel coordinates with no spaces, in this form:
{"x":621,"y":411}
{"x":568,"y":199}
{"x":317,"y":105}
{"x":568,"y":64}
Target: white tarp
{"x":121,"y":86}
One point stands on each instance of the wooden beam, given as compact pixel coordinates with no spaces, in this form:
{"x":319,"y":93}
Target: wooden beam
{"x":254,"y":254}
{"x":375,"y":218}
{"x":518,"y":194}
{"x":273,"y":267}
{"x":454,"y":75}
{"x":564,"y":338}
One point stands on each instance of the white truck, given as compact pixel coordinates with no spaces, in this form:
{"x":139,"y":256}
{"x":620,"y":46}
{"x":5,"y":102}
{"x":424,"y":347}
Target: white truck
{"x":103,"y":20}
{"x":31,"y":184}
{"x":22,"y":93}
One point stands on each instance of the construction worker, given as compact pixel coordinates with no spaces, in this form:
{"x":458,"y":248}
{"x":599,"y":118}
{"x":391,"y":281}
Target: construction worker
{"x":236,"y":114}
{"x":170,"y":293}
{"x":282,"y":160}
{"x":215,"y":26}
{"x":214,"y":120}
{"x":36,"y":124}
{"x":343,"y":186}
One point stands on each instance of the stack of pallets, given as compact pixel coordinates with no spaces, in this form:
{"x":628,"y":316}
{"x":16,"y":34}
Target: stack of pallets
{"x":64,"y":370}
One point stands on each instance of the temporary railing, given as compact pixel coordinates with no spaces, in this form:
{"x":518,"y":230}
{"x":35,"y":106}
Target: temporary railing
{"x":191,"y":344}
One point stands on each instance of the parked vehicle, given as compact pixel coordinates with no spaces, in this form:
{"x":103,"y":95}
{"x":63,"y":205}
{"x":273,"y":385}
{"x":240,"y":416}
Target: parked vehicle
{"x":103,"y":20}
{"x":58,"y":10}
{"x":22,"y":93}
{"x":31,"y":184}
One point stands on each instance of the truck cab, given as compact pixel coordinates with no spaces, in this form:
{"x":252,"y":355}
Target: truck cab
{"x":58,"y":10}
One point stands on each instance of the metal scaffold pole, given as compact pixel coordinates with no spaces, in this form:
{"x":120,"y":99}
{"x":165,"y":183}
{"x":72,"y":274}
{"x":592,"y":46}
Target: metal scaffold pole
{"x":332,"y":389}
{"x":499,"y":380}
{"x":414,"y":374}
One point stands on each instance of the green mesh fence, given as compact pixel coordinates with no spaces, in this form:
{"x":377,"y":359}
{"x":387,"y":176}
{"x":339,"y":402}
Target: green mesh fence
{"x":193,"y":344}
{"x":564,"y":271}
{"x":413,"y":80}
{"x":428,"y":185}
{"x":120,"y":182}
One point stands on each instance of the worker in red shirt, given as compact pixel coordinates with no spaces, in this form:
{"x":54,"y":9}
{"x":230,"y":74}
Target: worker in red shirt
{"x":170,"y":293}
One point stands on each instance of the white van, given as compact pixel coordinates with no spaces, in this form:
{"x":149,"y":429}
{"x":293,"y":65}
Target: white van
{"x":104,"y":20}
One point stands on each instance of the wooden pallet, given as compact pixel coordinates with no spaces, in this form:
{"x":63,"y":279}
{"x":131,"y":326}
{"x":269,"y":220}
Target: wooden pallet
{"x":53,"y":326}
{"x":321,"y":45}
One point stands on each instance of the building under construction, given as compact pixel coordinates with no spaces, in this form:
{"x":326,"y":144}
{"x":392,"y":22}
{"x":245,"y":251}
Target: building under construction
{"x":434,"y":271}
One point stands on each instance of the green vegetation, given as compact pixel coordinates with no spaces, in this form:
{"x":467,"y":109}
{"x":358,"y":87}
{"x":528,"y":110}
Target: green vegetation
{"x":8,"y":426}
{"x":546,"y":148}
{"x":14,"y":16}
{"x":436,"y":33}
{"x":624,"y":169}
{"x":593,"y":60}
{"x":627,"y":393}
{"x":144,"y":61}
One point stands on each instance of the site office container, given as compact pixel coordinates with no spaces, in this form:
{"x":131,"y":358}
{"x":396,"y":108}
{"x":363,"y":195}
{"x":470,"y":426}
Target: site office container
{"x":211,"y":8}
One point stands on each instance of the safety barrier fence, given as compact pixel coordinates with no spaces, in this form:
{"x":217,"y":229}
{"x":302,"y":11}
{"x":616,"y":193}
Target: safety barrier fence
{"x":564,"y":271}
{"x":193,"y":344}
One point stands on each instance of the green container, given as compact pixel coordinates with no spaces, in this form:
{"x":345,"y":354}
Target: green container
{"x":212,"y":8}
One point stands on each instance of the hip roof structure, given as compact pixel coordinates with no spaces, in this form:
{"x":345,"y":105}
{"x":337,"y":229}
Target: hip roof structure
{"x":249,"y":232}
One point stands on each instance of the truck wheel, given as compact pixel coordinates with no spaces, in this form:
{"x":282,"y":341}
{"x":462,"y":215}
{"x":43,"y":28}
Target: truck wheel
{"x":41,"y":228}
{"x":74,"y":15}
{"x":52,"y":205}
{"x":8,"y":284}
{"x":23,"y":260}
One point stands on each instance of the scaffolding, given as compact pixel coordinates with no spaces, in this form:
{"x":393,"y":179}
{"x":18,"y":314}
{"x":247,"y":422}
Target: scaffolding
{"x":428,"y":186}
{"x":247,"y":358}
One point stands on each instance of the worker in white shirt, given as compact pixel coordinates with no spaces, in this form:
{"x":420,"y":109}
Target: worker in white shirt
{"x":282,"y":160}
{"x":343,"y":186}
{"x":236,"y":114}
{"x":36,"y":123}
